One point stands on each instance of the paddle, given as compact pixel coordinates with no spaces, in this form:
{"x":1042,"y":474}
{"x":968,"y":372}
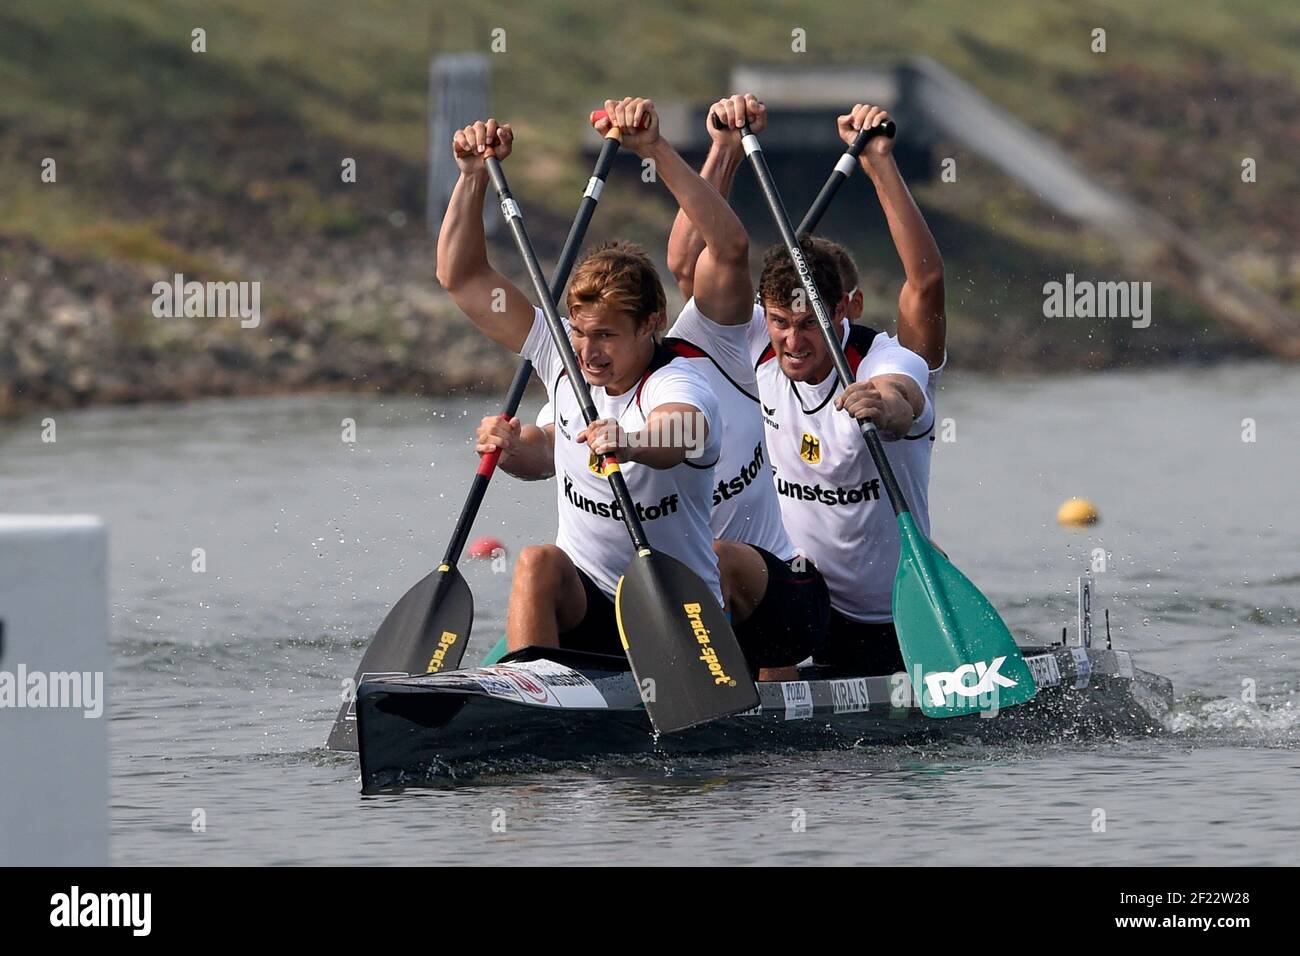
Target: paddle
{"x":677,"y":638}
{"x":839,"y":175}
{"x":947,"y":629}
{"x":427,"y":630}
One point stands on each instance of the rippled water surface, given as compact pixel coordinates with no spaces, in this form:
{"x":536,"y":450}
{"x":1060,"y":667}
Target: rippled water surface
{"x":224,"y":683}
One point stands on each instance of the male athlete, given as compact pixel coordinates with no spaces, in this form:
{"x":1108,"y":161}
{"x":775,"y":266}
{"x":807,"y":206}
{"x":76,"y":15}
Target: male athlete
{"x":830,"y":491}
{"x":776,"y":607}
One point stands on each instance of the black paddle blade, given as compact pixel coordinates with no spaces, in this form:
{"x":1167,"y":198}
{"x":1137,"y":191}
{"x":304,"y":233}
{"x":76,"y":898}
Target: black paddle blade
{"x":683,"y":652}
{"x":425,"y":632}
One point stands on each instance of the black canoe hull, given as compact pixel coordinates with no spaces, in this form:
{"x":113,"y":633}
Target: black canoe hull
{"x":563,"y":705}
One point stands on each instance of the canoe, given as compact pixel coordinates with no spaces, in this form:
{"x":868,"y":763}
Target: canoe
{"x":546,"y":705}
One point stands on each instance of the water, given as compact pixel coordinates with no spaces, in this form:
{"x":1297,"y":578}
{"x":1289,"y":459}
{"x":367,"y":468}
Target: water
{"x":224,"y":683}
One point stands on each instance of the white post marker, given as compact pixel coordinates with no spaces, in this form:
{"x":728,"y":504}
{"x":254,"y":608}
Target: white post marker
{"x":1085,"y":612}
{"x":53,"y":690}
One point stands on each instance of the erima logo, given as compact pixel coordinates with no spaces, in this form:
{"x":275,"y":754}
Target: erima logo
{"x":444,"y":645}
{"x":942,"y":684}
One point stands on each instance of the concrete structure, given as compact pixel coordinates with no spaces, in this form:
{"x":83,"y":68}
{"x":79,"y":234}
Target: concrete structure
{"x":53,"y":688}
{"x":459,"y":88}
{"x":932,"y":104}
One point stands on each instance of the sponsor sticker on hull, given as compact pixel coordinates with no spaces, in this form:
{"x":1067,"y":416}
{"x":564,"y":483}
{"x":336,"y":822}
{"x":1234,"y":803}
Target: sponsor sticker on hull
{"x":495,"y":685}
{"x":1082,"y":666}
{"x":530,"y":690}
{"x":548,"y":684}
{"x":956,"y":684}
{"x":1044,"y":669}
{"x":1124,"y":663}
{"x":798,"y":699}
{"x":850,"y":696}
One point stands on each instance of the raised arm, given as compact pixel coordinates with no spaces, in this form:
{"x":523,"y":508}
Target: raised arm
{"x":685,"y":242}
{"x":922,"y":325}
{"x":723,"y":288}
{"x":491,"y":301}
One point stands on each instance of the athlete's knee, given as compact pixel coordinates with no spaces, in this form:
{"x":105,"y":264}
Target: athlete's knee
{"x":540,"y":566}
{"x":731,"y":556}
{"x":744,"y":577}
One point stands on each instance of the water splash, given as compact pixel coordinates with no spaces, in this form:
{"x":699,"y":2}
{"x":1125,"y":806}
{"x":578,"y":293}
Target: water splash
{"x":1270,"y":723}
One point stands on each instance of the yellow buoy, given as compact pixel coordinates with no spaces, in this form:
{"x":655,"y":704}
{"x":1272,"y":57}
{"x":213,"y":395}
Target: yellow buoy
{"x":1077,"y":512}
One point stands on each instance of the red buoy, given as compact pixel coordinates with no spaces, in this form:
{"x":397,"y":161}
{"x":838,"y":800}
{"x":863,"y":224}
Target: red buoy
{"x":483,"y":549}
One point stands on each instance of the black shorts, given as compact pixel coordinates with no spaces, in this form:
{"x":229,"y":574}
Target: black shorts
{"x":597,"y":632}
{"x":791,"y":618}
{"x":858,"y":649}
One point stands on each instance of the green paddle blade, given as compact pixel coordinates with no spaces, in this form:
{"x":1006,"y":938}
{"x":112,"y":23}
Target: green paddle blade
{"x":679,"y":642}
{"x":961,"y":659}
{"x":425,"y":632}
{"x":498,"y":651}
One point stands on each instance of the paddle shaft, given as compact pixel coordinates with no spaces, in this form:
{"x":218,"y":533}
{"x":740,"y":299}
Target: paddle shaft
{"x":514,"y":219}
{"x":844,"y":167}
{"x":840,"y":174}
{"x":942,"y":621}
{"x":869,"y":434}
{"x":568,"y":255}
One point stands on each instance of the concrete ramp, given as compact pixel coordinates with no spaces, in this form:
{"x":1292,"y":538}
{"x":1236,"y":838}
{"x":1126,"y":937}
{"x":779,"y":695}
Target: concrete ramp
{"x":950,"y":107}
{"x":1151,"y":245}
{"x":933,"y":104}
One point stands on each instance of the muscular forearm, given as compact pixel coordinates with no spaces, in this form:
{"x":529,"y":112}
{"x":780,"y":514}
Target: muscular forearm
{"x":916,"y":247}
{"x":897,"y":419}
{"x":902,"y":401}
{"x":462,"y":245}
{"x":718,"y":226}
{"x":672,"y":434}
{"x":922,"y":323}
{"x":532,"y":458}
{"x":685,"y":242}
{"x":652,"y":456}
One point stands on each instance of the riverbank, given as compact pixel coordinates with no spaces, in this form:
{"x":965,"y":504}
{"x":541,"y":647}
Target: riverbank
{"x":367,"y":316}
{"x":127,"y":157}
{"x":80,"y":331}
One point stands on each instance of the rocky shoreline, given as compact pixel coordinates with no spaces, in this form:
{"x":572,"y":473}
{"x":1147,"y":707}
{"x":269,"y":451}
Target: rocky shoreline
{"x":80,"y":331}
{"x":365,"y":314}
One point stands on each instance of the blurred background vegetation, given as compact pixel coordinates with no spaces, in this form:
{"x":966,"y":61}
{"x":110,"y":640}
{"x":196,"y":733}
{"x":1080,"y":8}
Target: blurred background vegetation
{"x":225,"y":164}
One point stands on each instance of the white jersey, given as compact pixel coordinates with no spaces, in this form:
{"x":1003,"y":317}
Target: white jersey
{"x":745,"y":506}
{"x":832,"y":498}
{"x":673,"y":504}
{"x":933,"y":375}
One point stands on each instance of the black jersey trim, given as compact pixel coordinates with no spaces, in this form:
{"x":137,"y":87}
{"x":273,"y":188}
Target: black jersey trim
{"x":687,"y":349}
{"x":855,"y":350}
